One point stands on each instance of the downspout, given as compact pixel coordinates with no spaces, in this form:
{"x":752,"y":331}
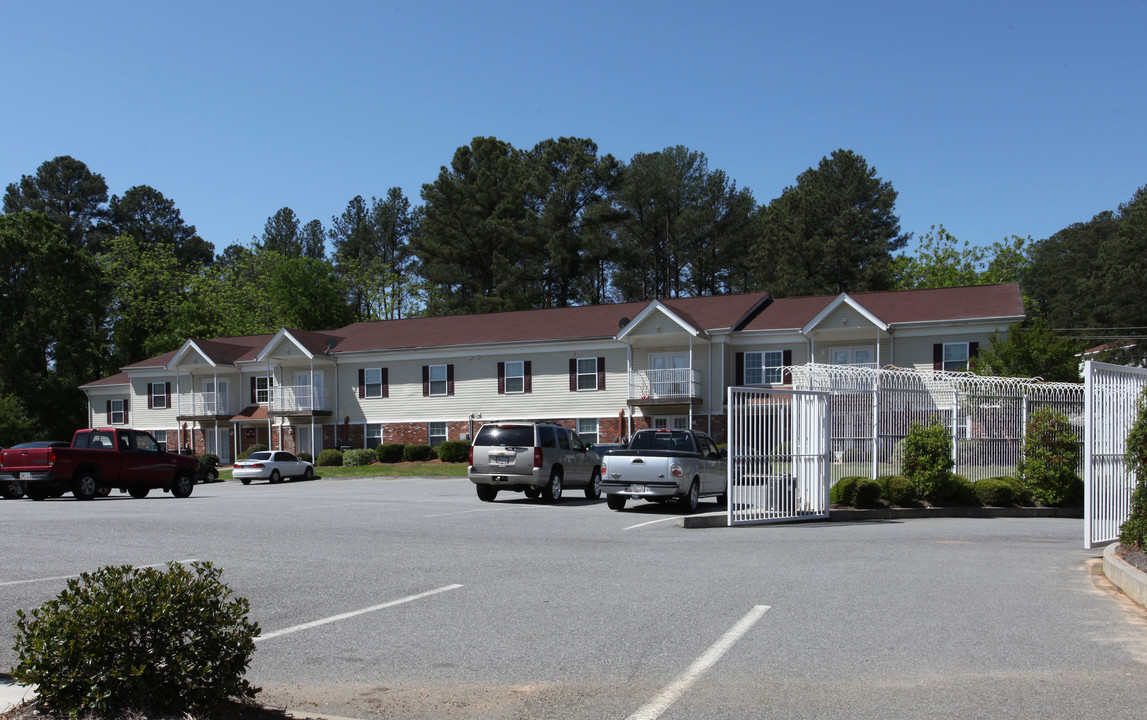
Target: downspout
{"x":314,"y":402}
{"x":709,"y":392}
{"x":690,"y":382}
{"x":629,"y":389}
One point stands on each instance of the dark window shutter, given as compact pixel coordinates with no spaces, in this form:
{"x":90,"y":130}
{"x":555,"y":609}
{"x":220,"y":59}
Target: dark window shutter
{"x":739,"y":375}
{"x":385,"y":383}
{"x":425,"y":380}
{"x":501,"y":378}
{"x":126,"y":421}
{"x":109,"y":412}
{"x":573,"y":374}
{"x":938,"y":356}
{"x":601,"y":373}
{"x":449,"y":379}
{"x":150,"y":402}
{"x":254,"y":392}
{"x":167,"y":392}
{"x":787,"y":361}
{"x":527,"y":369}
{"x":973,"y":350}
{"x":361,"y":383}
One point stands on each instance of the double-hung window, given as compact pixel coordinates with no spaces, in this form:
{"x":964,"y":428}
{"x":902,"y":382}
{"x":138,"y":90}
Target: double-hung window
{"x":587,"y":373}
{"x":764,"y":367}
{"x":372,"y":383}
{"x":117,"y":412}
{"x":956,"y":356}
{"x":515,"y":376}
{"x":436,"y":432}
{"x":438,"y":384}
{"x":262,"y":389}
{"x":587,"y":430}
{"x":160,"y":438}
{"x":373,"y":434}
{"x":157,"y":395}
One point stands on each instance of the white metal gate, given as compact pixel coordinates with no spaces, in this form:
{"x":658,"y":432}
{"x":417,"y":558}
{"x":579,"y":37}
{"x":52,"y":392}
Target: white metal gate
{"x":778,"y":455}
{"x":1111,"y":398}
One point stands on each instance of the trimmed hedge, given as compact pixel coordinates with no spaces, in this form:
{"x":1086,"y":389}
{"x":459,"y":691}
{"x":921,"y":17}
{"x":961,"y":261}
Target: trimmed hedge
{"x":359,"y":457}
{"x":897,"y":490}
{"x":454,"y":451}
{"x":125,"y":641}
{"x":868,"y":491}
{"x":844,"y":491}
{"x":390,"y":452}
{"x":257,"y":447}
{"x":306,"y":457}
{"x":330,"y":458}
{"x":1000,"y":491}
{"x":417,"y":453}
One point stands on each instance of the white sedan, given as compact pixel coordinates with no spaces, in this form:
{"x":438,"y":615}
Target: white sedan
{"x":273,"y":465}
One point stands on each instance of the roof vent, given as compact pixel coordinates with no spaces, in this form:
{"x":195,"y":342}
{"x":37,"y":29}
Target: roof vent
{"x":622,"y":323}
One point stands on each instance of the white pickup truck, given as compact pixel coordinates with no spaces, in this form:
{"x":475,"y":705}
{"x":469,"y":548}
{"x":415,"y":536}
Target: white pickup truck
{"x":664,"y":465}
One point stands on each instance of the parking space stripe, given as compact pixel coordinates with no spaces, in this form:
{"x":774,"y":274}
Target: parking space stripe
{"x":70,"y":577}
{"x":355,"y":613}
{"x":677,"y":688}
{"x":653,"y":522}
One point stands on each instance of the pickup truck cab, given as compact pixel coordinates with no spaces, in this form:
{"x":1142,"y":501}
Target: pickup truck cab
{"x":664,"y":465}
{"x":98,"y":459}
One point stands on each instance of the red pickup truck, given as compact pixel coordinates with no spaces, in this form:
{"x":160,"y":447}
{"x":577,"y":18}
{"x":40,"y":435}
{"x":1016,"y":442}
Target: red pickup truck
{"x":100,"y":458}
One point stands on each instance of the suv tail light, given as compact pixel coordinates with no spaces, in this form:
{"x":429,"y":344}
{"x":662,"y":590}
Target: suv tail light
{"x":471,"y":455}
{"x":537,"y":457}
{"x":51,"y":457}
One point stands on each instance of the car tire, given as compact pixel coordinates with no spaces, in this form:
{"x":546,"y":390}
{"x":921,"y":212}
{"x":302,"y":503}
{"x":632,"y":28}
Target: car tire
{"x":593,"y":490}
{"x":552,"y":492}
{"x":486,"y":493}
{"x":533,"y":493}
{"x":103,"y":491}
{"x":275,"y":478}
{"x":688,"y":502}
{"x":246,"y":481}
{"x":615,"y":502}
{"x":13,"y":490}
{"x":85,"y":485}
{"x":308,"y":473}
{"x":183,"y":485}
{"x":212,"y":475}
{"x":138,"y":492}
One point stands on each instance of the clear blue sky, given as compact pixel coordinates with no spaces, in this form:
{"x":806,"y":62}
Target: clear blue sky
{"x":991,"y":118}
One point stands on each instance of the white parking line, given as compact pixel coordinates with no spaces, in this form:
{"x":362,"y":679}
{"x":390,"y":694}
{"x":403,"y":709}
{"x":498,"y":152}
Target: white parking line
{"x":69,"y":577}
{"x":653,"y":522}
{"x":653,"y":709}
{"x":355,"y":613}
{"x":496,"y":508}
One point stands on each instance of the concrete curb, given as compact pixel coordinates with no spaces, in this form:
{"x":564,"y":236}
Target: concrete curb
{"x":12,"y":693}
{"x":720,"y":519}
{"x":1128,"y":578}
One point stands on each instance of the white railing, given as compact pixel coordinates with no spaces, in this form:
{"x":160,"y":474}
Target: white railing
{"x":1113,"y":396}
{"x":297,"y":398}
{"x":203,"y":404}
{"x":671,"y":384}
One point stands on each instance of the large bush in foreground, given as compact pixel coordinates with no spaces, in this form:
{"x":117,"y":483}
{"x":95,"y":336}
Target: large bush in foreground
{"x":1050,"y":459}
{"x":1133,"y":532}
{"x":134,"y":640}
{"x":927,"y":461}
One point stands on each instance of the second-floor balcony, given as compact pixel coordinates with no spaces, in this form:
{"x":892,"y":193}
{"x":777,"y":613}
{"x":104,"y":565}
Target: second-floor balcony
{"x":203,"y":405}
{"x":299,"y":400}
{"x":664,"y":387}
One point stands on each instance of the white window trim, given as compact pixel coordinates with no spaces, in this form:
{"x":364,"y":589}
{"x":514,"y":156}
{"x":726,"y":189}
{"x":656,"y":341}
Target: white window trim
{"x":520,"y":377}
{"x":366,"y":436}
{"x":581,"y":374}
{"x":368,"y":384}
{"x":445,"y":431}
{"x":963,"y":363}
{"x":444,"y":381}
{"x":122,"y":409}
{"x":158,"y":399}
{"x":766,"y":372}
{"x":263,"y":394}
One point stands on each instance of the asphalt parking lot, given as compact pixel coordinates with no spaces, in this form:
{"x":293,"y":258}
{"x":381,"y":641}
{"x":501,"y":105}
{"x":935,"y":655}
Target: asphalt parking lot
{"x":409,"y":598}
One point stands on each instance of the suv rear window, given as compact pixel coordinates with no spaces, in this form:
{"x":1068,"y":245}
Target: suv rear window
{"x":506,"y":435}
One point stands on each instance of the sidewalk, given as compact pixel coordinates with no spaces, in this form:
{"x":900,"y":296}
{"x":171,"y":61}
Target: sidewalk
{"x":12,"y":694}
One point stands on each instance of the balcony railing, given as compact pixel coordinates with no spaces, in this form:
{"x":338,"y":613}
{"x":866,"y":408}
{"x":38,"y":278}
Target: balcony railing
{"x":671,"y":384}
{"x":203,"y":404}
{"x":298,"y":399}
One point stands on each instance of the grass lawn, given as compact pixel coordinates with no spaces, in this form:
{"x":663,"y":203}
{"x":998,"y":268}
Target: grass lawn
{"x":403,"y":469}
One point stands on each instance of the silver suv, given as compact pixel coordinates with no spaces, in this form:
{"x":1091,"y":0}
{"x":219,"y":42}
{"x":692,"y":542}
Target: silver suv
{"x":535,"y":458}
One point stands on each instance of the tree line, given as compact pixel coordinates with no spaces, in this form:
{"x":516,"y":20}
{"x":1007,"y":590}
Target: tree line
{"x":93,"y":282}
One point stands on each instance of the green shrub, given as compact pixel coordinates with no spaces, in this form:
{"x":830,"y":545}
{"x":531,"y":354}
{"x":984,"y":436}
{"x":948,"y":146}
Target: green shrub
{"x":126,"y":639}
{"x":1133,"y":532}
{"x":330,"y":458}
{"x":207,"y":460}
{"x":417,"y":453}
{"x":390,"y":453}
{"x":844,"y":491}
{"x":1050,"y":458}
{"x":954,"y":490}
{"x":306,"y":457}
{"x":999,"y":491}
{"x":897,"y":490}
{"x":454,"y":451}
{"x":927,"y":457}
{"x":867,"y":492}
{"x":358,"y":457}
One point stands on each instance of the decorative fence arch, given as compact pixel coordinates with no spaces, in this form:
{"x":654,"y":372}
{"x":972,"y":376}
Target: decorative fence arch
{"x":872,"y":409}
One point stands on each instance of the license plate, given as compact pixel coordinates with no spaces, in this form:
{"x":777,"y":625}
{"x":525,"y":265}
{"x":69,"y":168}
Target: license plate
{"x":501,"y":459}
{"x":636,"y":488}
{"x":25,"y":476}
